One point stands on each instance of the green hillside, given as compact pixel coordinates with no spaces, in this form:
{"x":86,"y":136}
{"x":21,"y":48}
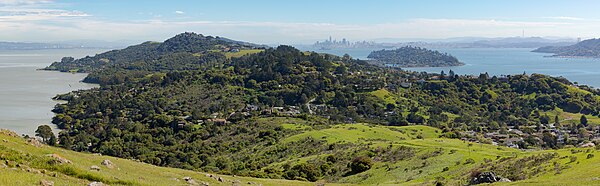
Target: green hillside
{"x":24,"y":162}
{"x":424,"y":159}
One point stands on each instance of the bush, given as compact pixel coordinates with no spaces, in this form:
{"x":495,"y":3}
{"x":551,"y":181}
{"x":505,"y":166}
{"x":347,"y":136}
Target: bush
{"x":360,"y":164}
{"x":469,"y":161}
{"x":572,"y":159}
{"x":590,"y":156}
{"x":303,"y":171}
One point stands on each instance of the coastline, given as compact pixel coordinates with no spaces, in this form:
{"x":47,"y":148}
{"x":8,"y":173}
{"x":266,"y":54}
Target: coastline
{"x":573,"y":57}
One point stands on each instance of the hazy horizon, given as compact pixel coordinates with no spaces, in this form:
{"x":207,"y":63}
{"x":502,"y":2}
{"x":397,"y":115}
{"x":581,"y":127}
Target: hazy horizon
{"x":275,"y":22}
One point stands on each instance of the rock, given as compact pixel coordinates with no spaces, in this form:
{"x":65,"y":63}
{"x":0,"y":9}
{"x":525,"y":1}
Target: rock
{"x":59,"y":158}
{"x":237,"y":183}
{"x":46,"y":183}
{"x":108,"y":164}
{"x":220,"y":179}
{"x":485,"y":177}
{"x":595,"y":178}
{"x":5,"y":140}
{"x":504,"y":180}
{"x":204,"y":184}
{"x":2,"y":165}
{"x":34,"y":142}
{"x":9,"y":133}
{"x":190,"y":180}
{"x":32,"y":170}
{"x":95,"y":168}
{"x":96,"y":184}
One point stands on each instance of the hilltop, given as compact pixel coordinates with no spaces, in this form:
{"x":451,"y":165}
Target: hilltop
{"x":586,"y":48}
{"x":414,"y":57}
{"x":181,"y":52}
{"x":283,"y":113}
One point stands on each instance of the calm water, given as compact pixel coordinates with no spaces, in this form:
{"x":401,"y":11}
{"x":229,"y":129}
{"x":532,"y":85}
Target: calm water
{"x":25,"y":93}
{"x":505,"y":61}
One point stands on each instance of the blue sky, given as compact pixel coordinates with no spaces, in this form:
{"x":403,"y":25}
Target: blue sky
{"x":272,"y":22}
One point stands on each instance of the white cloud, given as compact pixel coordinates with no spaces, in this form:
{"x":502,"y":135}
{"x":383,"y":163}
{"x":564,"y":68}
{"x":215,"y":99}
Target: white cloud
{"x":23,"y":2}
{"x":26,"y":20}
{"x":566,"y":18}
{"x":37,"y":14}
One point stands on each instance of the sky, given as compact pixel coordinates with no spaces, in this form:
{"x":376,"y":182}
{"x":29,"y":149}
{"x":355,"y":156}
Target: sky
{"x":294,"y":22}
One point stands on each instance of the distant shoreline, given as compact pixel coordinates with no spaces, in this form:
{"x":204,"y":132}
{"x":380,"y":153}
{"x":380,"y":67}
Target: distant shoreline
{"x":574,"y":57}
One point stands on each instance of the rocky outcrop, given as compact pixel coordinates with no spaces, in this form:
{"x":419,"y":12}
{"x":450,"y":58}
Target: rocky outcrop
{"x":487,"y":177}
{"x":34,"y":142}
{"x":96,"y":184}
{"x":108,"y":164}
{"x":46,"y":183}
{"x":59,"y":158}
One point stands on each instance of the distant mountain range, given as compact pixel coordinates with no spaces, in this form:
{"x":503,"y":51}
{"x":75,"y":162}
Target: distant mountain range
{"x":586,"y":48}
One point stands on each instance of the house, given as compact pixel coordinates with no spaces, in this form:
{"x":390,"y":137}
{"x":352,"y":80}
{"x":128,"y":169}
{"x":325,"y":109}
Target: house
{"x":287,"y":111}
{"x":516,"y":131}
{"x":405,"y":84}
{"x":250,"y":107}
{"x":218,"y":121}
{"x":495,"y":136}
{"x":181,"y":124}
{"x":588,"y":144}
{"x":513,"y":142}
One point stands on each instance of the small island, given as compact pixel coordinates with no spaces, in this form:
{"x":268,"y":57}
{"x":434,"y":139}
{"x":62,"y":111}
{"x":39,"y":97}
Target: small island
{"x":585,"y":49}
{"x":413,"y":57}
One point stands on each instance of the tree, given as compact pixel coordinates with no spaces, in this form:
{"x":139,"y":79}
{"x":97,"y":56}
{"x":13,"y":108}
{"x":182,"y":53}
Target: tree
{"x":545,"y":119}
{"x":583,"y":120}
{"x":45,"y":132}
{"x":53,"y":140}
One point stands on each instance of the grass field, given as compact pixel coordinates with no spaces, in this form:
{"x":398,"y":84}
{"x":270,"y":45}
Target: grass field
{"x":450,"y":164}
{"x":435,"y":160}
{"x":570,"y":118}
{"x":241,"y":53}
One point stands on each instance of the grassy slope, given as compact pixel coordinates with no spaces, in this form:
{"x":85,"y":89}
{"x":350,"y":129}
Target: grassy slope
{"x":413,"y":171}
{"x":128,"y":171}
{"x":242,"y":53}
{"x":417,"y":171}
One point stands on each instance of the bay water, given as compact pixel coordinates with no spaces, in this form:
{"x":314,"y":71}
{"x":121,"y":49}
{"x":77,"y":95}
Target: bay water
{"x":26,"y":93}
{"x":506,"y":61}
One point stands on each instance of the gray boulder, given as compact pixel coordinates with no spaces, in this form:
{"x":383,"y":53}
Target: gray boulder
{"x":485,"y":177}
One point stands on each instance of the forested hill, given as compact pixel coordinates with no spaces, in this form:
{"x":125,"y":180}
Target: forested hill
{"x":586,"y":48}
{"x":280,"y":112}
{"x":182,"y":52}
{"x":414,"y":57}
